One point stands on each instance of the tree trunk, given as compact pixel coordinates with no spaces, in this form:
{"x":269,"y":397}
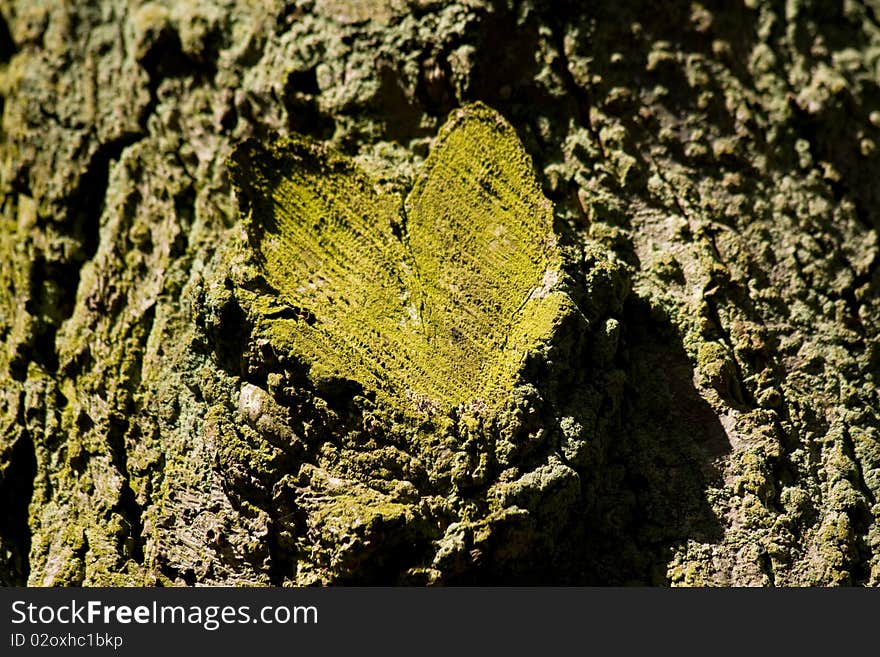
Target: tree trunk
{"x":712,"y":419}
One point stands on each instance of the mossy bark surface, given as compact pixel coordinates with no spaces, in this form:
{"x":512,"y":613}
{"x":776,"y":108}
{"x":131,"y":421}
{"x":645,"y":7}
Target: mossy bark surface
{"x":699,"y":408}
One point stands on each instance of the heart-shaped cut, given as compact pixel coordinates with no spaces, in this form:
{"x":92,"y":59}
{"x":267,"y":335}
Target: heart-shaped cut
{"x":433,"y":302}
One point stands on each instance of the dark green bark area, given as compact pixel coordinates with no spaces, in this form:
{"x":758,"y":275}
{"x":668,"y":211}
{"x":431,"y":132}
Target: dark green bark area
{"x":722,"y":157}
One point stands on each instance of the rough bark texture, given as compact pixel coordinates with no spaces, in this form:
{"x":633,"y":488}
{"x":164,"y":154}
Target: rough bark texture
{"x":713,"y":168}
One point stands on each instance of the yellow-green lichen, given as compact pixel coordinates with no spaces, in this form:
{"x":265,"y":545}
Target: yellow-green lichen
{"x":433,"y":302}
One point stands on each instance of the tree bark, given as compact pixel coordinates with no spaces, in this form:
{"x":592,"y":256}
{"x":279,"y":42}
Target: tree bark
{"x":713,"y":169}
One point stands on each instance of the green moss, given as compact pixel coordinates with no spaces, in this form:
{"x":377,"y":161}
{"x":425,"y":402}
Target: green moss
{"x":435,"y":302}
{"x":716,"y":366}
